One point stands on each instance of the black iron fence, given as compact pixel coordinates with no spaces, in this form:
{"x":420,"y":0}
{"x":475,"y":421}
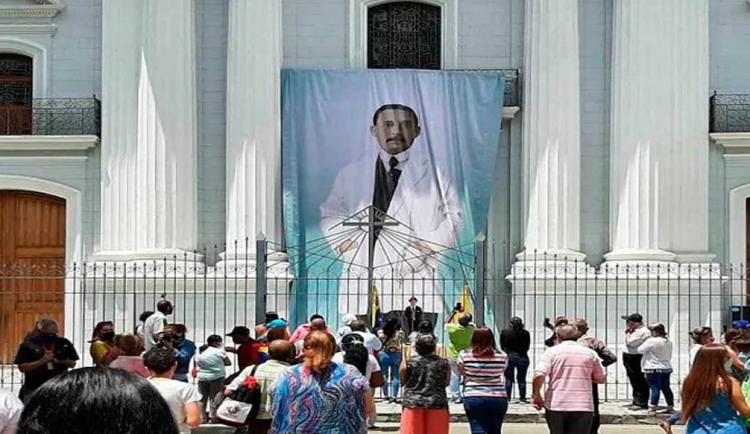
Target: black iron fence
{"x":213,"y":300}
{"x":730,"y":113}
{"x":52,"y":116}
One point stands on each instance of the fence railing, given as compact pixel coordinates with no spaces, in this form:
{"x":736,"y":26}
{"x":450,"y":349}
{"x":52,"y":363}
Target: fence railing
{"x":730,"y":113}
{"x":213,"y":300}
{"x":52,"y":116}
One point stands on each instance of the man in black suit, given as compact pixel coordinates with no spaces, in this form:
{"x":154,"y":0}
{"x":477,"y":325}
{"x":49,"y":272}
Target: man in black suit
{"x":413,"y":316}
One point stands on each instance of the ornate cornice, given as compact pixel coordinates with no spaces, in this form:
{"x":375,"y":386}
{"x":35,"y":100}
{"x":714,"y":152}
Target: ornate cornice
{"x":42,"y":9}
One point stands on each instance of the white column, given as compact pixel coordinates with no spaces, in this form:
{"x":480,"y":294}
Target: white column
{"x":551,"y":133}
{"x":149,"y":186}
{"x":253,"y":152}
{"x":659,"y":132}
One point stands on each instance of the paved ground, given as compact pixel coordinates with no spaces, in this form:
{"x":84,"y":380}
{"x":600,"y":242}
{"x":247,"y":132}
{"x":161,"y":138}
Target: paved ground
{"x":526,"y":428}
{"x":511,"y":428}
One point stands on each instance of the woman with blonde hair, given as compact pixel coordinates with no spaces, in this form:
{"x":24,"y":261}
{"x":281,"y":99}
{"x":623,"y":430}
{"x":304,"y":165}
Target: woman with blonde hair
{"x":319,"y":395}
{"x":711,"y":398}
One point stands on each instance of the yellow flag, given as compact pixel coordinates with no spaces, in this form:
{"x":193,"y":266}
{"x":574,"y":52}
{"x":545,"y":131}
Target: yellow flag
{"x":467,"y":306}
{"x":375,"y":308}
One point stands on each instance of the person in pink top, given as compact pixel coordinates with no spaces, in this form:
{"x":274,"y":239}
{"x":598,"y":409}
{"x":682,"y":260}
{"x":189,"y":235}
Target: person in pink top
{"x":130,"y":359}
{"x":317,"y":322}
{"x":571,"y":369}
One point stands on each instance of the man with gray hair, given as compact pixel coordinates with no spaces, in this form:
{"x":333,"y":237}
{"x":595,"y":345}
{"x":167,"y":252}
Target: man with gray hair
{"x":459,"y":339}
{"x":43,"y":355}
{"x":571,"y":369}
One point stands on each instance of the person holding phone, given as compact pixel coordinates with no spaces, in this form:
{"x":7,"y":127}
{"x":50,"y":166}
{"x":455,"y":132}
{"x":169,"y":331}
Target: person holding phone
{"x":43,"y":356}
{"x":459,"y":339}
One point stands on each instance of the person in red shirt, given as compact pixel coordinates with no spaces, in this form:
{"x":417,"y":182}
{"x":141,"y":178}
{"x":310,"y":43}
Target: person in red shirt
{"x":248,"y":350}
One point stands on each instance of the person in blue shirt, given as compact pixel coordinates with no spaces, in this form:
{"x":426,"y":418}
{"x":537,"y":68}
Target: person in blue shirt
{"x":184,"y":349}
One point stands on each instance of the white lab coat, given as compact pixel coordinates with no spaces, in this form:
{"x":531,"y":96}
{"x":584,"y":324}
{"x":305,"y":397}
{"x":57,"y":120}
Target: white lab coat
{"x":427,"y":206}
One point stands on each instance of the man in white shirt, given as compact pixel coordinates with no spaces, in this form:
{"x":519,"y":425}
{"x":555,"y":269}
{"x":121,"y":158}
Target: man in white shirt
{"x":10,"y":412}
{"x":372,"y":343}
{"x":154,"y":325}
{"x":182,"y":398}
{"x":635,"y":335}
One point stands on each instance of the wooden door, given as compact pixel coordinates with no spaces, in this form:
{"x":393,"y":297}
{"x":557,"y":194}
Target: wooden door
{"x":32,"y":260}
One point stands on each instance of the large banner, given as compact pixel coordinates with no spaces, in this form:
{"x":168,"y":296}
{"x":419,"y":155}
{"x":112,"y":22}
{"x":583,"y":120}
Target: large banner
{"x":390,"y":173}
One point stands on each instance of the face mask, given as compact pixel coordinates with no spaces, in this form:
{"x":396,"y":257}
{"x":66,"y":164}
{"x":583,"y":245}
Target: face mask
{"x":108,"y":336}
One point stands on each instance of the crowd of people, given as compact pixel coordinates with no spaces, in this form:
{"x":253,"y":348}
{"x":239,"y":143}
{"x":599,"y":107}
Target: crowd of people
{"x":312,"y":379}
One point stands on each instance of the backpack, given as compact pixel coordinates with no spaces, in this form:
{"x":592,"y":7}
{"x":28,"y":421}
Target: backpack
{"x":243,"y":406}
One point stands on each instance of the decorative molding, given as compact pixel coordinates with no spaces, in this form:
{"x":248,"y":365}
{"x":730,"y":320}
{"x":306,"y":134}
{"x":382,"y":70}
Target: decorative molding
{"x":45,"y":10}
{"x":357,"y":31}
{"x":28,"y":29}
{"x":44,"y":160}
{"x":732,"y":143}
{"x":47,"y":143}
{"x":509,"y":112}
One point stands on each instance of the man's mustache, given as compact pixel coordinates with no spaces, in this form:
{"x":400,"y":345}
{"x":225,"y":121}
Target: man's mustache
{"x":395,"y":139}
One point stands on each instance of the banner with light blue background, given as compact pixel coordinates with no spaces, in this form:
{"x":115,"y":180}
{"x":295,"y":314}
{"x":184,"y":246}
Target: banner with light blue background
{"x":422,"y":144}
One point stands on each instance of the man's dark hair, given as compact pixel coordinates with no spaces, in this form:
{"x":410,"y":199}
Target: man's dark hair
{"x":425,"y":345}
{"x":425,"y":327}
{"x":162,"y":305}
{"x":316,"y":316}
{"x":144,"y":316}
{"x":159,"y":360}
{"x":97,"y":401}
{"x":270,"y":316}
{"x":358,"y":326}
{"x":405,"y":108}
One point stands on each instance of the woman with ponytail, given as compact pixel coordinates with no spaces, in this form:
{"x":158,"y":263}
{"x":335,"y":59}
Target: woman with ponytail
{"x":319,"y":395}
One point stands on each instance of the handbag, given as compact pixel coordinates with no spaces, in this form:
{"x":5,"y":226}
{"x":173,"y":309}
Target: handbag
{"x":243,"y":406}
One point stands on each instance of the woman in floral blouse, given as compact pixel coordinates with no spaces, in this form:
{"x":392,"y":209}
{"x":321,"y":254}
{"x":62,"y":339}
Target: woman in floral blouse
{"x":424,"y":378}
{"x":319,"y":395}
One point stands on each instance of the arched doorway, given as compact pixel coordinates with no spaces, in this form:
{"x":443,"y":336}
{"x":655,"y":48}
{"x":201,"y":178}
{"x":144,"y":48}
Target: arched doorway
{"x":32,"y":261}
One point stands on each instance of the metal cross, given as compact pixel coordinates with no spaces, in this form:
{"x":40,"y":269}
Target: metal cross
{"x":371,"y":224}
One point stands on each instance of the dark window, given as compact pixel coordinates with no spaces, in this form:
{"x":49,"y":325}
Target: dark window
{"x":403,"y":35}
{"x":16,"y":72}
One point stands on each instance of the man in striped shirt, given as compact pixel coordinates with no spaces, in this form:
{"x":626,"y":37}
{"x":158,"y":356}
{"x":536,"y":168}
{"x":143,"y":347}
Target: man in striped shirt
{"x":571,"y":369}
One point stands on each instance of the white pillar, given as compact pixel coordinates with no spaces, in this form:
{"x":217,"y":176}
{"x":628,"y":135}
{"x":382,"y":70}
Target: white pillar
{"x":253,"y":152}
{"x":659,"y":132}
{"x":149,"y":186}
{"x":551,"y":134}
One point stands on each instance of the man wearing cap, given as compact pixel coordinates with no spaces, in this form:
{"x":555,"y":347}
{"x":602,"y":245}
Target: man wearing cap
{"x":606,"y":357}
{"x":701,"y":336}
{"x":635,"y":334}
{"x":248,"y":349}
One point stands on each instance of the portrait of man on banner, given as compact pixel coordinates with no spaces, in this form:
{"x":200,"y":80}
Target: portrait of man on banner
{"x":398,"y":179}
{"x":387,"y":177}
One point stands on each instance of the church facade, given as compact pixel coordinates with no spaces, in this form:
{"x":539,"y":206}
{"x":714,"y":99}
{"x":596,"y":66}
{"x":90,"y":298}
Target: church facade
{"x":626,"y":128}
